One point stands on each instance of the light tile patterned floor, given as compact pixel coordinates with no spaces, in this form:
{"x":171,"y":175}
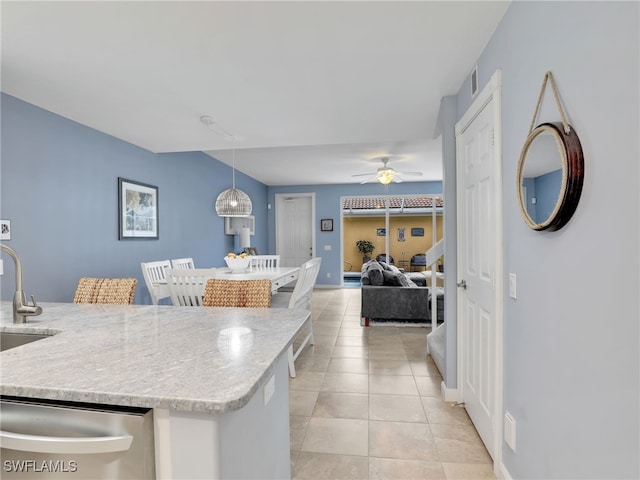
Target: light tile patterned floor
{"x":366,"y":404}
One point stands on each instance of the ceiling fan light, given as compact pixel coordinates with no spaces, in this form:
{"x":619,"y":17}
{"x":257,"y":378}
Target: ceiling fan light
{"x":233,"y":203}
{"x":385,"y":177}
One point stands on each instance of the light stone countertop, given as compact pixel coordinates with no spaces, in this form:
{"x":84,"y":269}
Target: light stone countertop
{"x":196,"y":359}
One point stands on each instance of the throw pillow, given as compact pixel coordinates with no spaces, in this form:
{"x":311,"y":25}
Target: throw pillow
{"x":391,"y":279}
{"x":374,"y":271}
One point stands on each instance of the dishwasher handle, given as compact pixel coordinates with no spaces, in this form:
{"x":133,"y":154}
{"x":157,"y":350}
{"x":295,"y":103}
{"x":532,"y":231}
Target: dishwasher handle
{"x":72,"y":445}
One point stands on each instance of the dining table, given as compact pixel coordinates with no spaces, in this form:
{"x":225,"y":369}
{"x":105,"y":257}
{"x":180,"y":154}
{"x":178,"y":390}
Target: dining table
{"x":279,"y":276}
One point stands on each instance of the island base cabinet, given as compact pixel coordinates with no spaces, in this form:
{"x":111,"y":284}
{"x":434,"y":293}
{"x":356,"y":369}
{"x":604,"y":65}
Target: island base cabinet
{"x":251,"y":442}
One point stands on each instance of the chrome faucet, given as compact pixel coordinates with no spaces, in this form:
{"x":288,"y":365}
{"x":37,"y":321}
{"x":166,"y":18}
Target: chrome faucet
{"x":21,"y":310}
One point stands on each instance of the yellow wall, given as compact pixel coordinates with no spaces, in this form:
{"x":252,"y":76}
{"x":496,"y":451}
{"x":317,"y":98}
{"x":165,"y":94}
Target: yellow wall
{"x":364,"y":228}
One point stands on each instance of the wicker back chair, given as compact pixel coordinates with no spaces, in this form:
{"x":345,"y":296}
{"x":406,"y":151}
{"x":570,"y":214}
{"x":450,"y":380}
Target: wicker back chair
{"x":237,"y":293}
{"x":106,"y":290}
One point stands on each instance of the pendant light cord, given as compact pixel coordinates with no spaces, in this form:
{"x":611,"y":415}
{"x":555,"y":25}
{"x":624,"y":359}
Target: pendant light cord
{"x":233,"y":161}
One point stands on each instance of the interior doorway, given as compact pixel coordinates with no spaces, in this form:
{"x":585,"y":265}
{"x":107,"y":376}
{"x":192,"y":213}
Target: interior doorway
{"x":480,"y":266}
{"x":295,"y":235}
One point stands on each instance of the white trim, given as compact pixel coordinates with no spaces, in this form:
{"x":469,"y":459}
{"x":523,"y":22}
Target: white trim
{"x":491,"y":92}
{"x":502,"y":472}
{"x":162,"y":441}
{"x":450,"y":394}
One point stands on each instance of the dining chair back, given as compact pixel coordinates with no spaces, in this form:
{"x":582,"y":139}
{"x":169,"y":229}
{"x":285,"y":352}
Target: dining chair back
{"x":156,"y":280}
{"x":182,"y":263}
{"x":300,"y":298}
{"x":186,"y":285}
{"x":237,"y":293}
{"x":258,"y":262}
{"x":419,"y":260}
{"x":120,"y":291}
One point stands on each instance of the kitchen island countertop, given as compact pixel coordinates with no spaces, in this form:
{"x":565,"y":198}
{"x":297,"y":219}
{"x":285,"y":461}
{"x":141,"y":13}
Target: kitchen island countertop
{"x":192,"y":359}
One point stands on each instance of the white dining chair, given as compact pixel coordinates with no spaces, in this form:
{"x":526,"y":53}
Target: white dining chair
{"x":156,"y":280}
{"x":182,"y":263}
{"x":259,"y":262}
{"x":187,"y":285}
{"x":300,"y":298}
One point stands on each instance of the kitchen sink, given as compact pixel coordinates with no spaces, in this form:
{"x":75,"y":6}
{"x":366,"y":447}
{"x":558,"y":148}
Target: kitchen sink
{"x":12,"y":339}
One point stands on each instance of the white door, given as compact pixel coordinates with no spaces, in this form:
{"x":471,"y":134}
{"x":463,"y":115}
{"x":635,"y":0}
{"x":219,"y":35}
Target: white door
{"x":294,"y":228}
{"x":479,"y":208}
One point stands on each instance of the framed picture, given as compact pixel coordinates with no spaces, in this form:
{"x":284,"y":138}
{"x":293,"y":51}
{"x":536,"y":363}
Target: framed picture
{"x":137,"y":210}
{"x":417,"y":232}
{"x":252,"y":250}
{"x":401,"y":234}
{"x":381,"y":232}
{"x":5,"y":229}
{"x":326,"y":225}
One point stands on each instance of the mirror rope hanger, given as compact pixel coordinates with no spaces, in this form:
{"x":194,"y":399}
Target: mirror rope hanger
{"x":565,"y":124}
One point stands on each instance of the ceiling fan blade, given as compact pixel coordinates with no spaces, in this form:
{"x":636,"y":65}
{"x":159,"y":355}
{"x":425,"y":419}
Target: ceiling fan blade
{"x":366,"y":180}
{"x":364,"y":174}
{"x":411,"y":173}
{"x":397,"y":178}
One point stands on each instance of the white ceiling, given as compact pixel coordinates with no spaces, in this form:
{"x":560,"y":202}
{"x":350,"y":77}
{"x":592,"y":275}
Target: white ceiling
{"x":312,"y":91}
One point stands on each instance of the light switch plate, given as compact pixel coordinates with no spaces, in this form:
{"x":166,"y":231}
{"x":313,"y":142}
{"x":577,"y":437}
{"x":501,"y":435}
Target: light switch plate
{"x":512,"y":286}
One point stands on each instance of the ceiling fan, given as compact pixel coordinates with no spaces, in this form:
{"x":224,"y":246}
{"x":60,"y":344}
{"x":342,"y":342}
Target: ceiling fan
{"x":385,"y":174}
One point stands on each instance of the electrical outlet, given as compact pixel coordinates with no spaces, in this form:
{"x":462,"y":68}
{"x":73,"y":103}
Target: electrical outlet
{"x":510,"y":431}
{"x":269,"y":389}
{"x":327,"y":247}
{"x":328,"y":274}
{"x":512,"y":286}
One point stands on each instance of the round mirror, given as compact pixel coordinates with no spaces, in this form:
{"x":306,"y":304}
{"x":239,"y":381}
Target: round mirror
{"x":550,"y":175}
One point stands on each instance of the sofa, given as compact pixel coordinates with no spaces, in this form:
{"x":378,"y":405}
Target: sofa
{"x":389,"y":294}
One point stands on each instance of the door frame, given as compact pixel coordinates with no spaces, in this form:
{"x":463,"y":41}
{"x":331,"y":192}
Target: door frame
{"x":279,"y":198}
{"x":491,"y":92}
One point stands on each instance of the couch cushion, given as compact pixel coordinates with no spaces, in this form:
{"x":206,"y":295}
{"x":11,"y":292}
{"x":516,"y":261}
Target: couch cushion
{"x":390,"y":279}
{"x":418,"y":278}
{"x":396,"y":279}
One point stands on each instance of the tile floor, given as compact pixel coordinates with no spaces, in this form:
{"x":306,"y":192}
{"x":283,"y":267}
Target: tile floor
{"x":366,"y":404}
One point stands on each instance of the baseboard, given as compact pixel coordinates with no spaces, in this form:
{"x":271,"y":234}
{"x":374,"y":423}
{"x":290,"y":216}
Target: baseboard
{"x":450,"y":394}
{"x":503,"y":473}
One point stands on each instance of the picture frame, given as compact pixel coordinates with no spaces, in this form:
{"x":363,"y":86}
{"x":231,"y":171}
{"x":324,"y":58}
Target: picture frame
{"x":326,"y":225}
{"x":252,"y":250}
{"x":5,"y":229}
{"x":401,"y":234}
{"x":381,"y":232}
{"x":137,"y":210}
{"x":417,"y":232}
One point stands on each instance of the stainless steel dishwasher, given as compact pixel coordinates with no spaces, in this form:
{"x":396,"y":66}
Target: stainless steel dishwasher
{"x":47,"y":439}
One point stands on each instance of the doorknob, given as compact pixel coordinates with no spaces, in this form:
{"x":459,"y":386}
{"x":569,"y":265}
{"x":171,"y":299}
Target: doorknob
{"x":462,"y":284}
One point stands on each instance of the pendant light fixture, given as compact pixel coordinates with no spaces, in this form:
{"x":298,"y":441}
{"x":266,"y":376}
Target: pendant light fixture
{"x":231,"y":202}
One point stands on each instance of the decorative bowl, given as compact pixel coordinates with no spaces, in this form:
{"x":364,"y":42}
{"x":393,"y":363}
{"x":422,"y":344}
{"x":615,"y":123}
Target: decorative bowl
{"x":237,"y":264}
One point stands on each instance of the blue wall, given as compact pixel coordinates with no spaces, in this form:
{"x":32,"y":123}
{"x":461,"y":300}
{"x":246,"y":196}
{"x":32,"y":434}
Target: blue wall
{"x":547,"y":192}
{"x":571,"y":338}
{"x":328,"y":206}
{"x":59,"y":189}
